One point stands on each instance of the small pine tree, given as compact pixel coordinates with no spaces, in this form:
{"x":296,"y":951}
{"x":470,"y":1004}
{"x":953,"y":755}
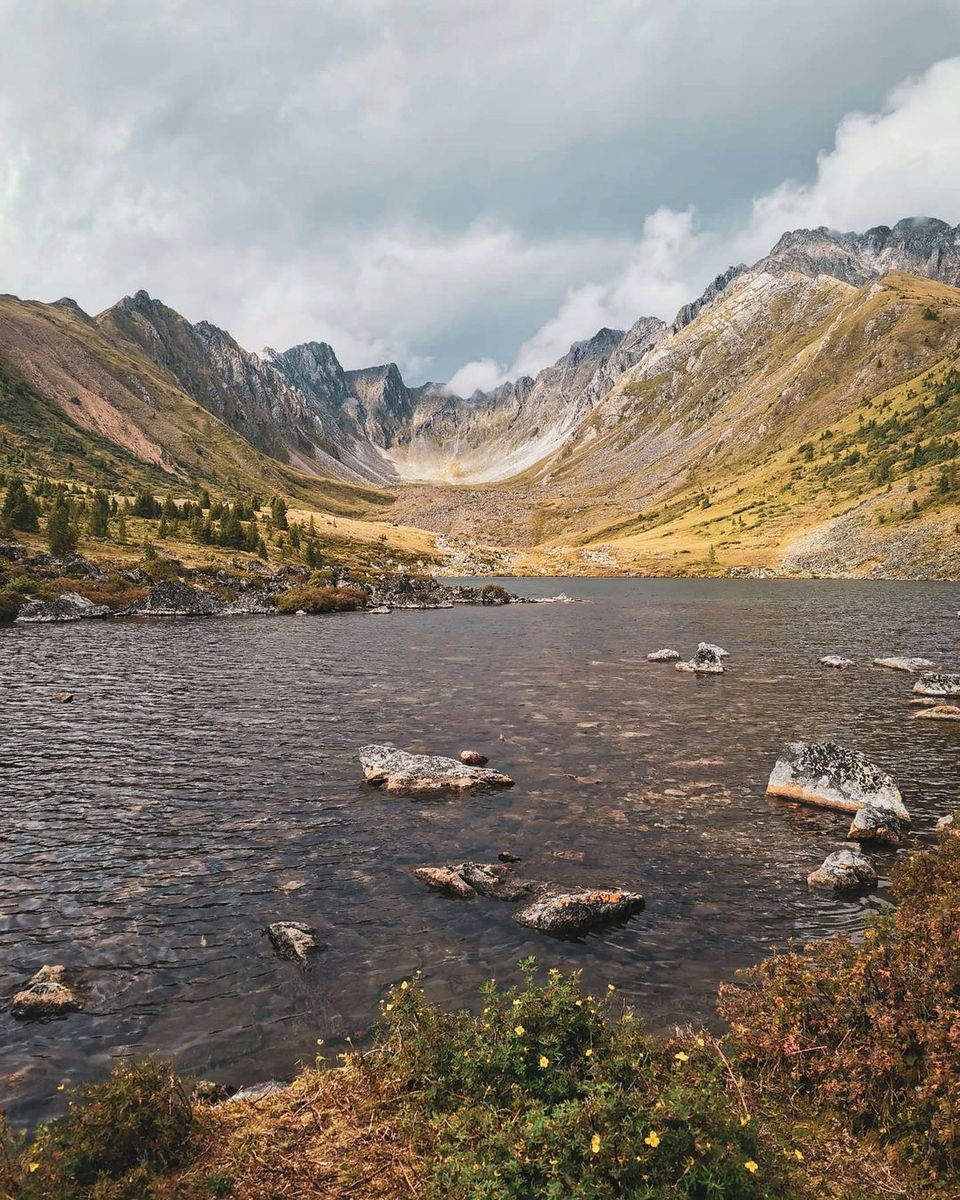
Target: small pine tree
{"x":62,"y":533}
{"x":20,"y":510}
{"x":99,"y":521}
{"x":278,"y":512}
{"x":122,"y":530}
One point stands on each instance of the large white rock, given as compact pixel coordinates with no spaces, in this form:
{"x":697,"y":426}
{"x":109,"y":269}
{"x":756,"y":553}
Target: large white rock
{"x":937,"y":683}
{"x":831,"y":776}
{"x":834,"y":660}
{"x":70,"y":606}
{"x":903,"y":664}
{"x":663,"y":656}
{"x":412,"y":774}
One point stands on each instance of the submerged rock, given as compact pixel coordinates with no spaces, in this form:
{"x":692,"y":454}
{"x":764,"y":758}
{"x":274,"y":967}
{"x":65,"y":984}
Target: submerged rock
{"x":939,"y":712}
{"x":469,"y":879}
{"x":937,"y":683}
{"x":473,"y":758}
{"x":903,"y":664}
{"x":844,"y":871}
{"x":46,"y":995}
{"x":69,"y":607}
{"x":402,"y":773}
{"x":834,"y":660}
{"x":64,"y":697}
{"x":293,"y":940}
{"x":831,"y":776}
{"x":663,"y":656}
{"x":171,"y":598}
{"x":571,"y":913}
{"x":706,"y":661}
{"x":873,"y":824}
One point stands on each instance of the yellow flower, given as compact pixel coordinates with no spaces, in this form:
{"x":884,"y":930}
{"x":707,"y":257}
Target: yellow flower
{"x":579,"y":1004}
{"x":404,"y":986}
{"x":798,"y":1155}
{"x":745,"y":1120}
{"x":61,"y":1086}
{"x":589,"y":1052}
{"x":751,"y":1166}
{"x":595,"y":1144}
{"x":611,"y":988}
{"x":652,"y":1139}
{"x":519,"y":1030}
{"x":701,"y":1042}
{"x":389,"y":1006}
{"x":34,"y":1167}
{"x":681,"y":1057}
{"x":544,"y":1061}
{"x":628,"y":1016}
{"x":516,"y":1004}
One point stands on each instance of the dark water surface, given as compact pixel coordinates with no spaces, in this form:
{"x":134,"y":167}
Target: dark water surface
{"x":204,"y":782}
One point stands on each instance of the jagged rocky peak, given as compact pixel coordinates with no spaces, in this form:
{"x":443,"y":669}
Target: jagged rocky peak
{"x":603,"y":343}
{"x":692,"y":310}
{"x":71,"y":305}
{"x":384,"y":406}
{"x":314,"y":369}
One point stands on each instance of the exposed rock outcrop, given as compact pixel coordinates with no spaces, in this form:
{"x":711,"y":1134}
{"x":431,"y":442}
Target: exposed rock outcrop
{"x":47,"y":994}
{"x":903,"y":664}
{"x":834,"y":660}
{"x":939,"y":712}
{"x":468,"y":879}
{"x":411,"y":774}
{"x":473,"y":758}
{"x":831,"y":776}
{"x":663,"y":656}
{"x":845,"y":871}
{"x":70,"y":606}
{"x":873,"y":824}
{"x":171,"y":598}
{"x":293,"y":940}
{"x":938,"y":683}
{"x":571,"y":913}
{"x":706,"y":661}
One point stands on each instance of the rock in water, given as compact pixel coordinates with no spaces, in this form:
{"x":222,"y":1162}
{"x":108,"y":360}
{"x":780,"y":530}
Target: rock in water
{"x":939,"y":712}
{"x":412,"y":774}
{"x":46,"y":995}
{"x":844,"y":871}
{"x":663,"y":656}
{"x":64,"y":697}
{"x":470,"y":879}
{"x":834,"y":660}
{"x":830,"y":776}
{"x":473,"y":758}
{"x":171,"y":598}
{"x":945,"y":823}
{"x":937,"y":683}
{"x":706,"y":661}
{"x":576,"y":912}
{"x":293,"y":940}
{"x":717,"y":651}
{"x":903,"y":664}
{"x":872,"y":824}
{"x":69,"y":607}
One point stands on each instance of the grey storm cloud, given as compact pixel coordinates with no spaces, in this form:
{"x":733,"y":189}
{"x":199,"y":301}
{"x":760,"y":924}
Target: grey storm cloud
{"x":441,"y":182}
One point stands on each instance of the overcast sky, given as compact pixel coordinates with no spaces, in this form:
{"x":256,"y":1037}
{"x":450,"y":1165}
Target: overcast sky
{"x":461,"y":186}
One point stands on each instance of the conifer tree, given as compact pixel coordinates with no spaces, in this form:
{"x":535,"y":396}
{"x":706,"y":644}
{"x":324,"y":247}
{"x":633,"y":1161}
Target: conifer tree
{"x":62,"y":533}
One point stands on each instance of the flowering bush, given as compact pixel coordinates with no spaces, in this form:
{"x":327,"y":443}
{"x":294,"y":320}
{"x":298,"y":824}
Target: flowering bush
{"x":545,"y":1094}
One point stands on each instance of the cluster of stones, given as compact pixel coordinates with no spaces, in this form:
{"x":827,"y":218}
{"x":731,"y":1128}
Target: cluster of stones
{"x":708,"y":659}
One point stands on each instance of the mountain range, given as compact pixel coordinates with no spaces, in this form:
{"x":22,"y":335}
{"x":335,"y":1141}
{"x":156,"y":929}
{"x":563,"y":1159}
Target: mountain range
{"x":627,"y":432}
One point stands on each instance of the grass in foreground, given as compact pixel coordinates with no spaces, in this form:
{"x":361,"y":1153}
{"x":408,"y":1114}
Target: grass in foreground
{"x":840,"y":1078}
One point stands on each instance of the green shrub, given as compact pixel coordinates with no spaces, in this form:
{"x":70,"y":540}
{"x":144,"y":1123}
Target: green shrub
{"x":493,"y":593}
{"x":10,"y":603}
{"x":543,"y":1094}
{"x":872,"y":1030}
{"x":117,"y":1135}
{"x":321,"y":599}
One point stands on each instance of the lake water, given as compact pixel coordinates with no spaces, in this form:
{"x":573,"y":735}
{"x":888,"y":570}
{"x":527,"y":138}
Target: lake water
{"x":205,"y":782}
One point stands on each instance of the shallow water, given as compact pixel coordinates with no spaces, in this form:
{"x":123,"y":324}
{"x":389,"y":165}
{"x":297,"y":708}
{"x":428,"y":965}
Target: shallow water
{"x":204,"y":782}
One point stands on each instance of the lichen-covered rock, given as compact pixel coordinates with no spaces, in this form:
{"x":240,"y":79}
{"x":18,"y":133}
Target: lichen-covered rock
{"x":834,"y":660}
{"x":172,"y":598}
{"x":845,"y":871}
{"x":706,"y":661}
{"x":473,"y":758}
{"x":412,"y":774}
{"x":710,"y":648}
{"x":663,"y":656}
{"x":831,"y":776}
{"x":903,"y":664}
{"x":939,"y":712}
{"x":937,"y":683}
{"x":571,"y":913}
{"x":47,"y":994}
{"x":470,"y":879}
{"x":872,"y":824}
{"x":249,"y":604}
{"x":293,"y":940}
{"x":70,"y":606}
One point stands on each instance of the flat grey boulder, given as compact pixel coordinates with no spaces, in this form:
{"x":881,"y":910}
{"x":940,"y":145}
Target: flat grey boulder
{"x":469,"y":879}
{"x":939,"y":712}
{"x":256,"y":1091}
{"x":293,"y":940}
{"x":663,"y":656}
{"x":878,"y":825}
{"x":249,"y":604}
{"x":411,"y":774}
{"x":845,"y":871}
{"x":571,"y":913}
{"x":70,"y":606}
{"x":903,"y":664}
{"x":831,"y":776}
{"x":937,"y":683}
{"x":47,"y":994}
{"x":834,"y":660}
{"x":171,"y":598}
{"x":706,"y":661}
